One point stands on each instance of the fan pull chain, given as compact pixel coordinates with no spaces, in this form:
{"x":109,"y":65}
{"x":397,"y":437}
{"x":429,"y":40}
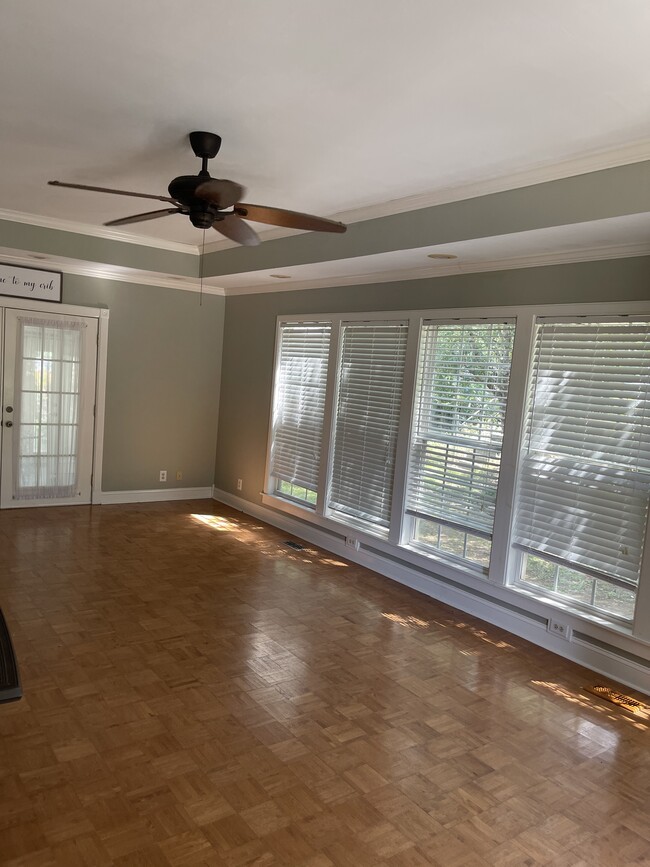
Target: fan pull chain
{"x":201,"y":271}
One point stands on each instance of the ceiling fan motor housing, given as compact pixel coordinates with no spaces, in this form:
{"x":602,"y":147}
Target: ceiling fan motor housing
{"x":204,"y":216}
{"x":202,"y":213}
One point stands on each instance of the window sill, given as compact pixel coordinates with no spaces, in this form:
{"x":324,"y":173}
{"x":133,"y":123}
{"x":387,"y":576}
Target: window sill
{"x":617,"y":628}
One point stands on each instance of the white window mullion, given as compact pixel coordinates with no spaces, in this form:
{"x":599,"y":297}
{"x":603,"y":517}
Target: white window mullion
{"x":395,"y":531}
{"x":331,"y":392}
{"x":642,"y":610}
{"x":513,"y":427}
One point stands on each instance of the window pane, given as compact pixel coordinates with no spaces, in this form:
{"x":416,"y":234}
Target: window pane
{"x":298,"y":408}
{"x":367,"y":421}
{"x":584,"y":479}
{"x":578,"y":587}
{"x":616,"y":600}
{"x":448,"y":540}
{"x":461,"y":393}
{"x":296,"y":492}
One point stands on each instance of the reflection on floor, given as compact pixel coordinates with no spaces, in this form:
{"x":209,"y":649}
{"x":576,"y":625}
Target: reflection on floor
{"x":197,"y":693}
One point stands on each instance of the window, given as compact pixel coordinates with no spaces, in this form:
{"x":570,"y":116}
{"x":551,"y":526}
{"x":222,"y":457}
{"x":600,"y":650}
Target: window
{"x":584,"y":479}
{"x":298,"y":409}
{"x":424,"y":439}
{"x":371,"y":373}
{"x":455,"y":455}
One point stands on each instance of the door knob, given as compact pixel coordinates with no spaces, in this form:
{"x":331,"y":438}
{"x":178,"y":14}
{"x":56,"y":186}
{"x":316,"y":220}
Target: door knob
{"x":9,"y":424}
{"x":9,"y":408}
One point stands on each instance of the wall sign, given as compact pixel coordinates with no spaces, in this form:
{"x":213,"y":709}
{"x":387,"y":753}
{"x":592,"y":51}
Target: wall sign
{"x":22,"y":282}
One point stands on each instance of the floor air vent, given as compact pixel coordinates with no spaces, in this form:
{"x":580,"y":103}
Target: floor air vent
{"x":618,"y":698}
{"x":9,"y":680}
{"x":295,"y":545}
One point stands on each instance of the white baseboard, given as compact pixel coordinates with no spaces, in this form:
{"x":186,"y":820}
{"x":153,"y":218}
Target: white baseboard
{"x":605,"y":661}
{"x":156,"y":495}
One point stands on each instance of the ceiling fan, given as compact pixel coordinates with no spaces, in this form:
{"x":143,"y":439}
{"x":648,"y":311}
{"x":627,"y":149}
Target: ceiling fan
{"x":215,"y":203}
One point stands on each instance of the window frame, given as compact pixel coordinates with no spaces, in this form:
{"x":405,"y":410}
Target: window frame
{"x":505,"y":560}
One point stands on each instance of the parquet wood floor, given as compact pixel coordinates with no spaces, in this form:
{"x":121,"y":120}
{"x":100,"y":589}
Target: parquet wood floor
{"x":197,"y":693}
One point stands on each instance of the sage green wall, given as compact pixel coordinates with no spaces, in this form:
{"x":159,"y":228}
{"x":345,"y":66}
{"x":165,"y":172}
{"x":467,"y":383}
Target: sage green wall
{"x":162,"y":382}
{"x":248,"y":348}
{"x":613,"y":192}
{"x":57,"y":242}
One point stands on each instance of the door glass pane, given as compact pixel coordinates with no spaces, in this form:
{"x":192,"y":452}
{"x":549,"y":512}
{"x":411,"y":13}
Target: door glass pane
{"x":32,"y":342}
{"x":31,"y":408}
{"x":32,"y":374}
{"x":47,"y":410}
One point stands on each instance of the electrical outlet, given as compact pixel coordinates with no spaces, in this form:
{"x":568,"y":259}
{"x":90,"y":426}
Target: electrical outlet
{"x":239,"y":484}
{"x":163,"y":476}
{"x":351,"y":542}
{"x":562,"y":630}
{"x":179,"y":475}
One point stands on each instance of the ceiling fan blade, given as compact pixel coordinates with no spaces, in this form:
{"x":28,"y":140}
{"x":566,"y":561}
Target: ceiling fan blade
{"x":221,"y":193}
{"x":106,"y":190}
{"x":288,"y":219}
{"x":237,"y":230}
{"x":140,"y":218}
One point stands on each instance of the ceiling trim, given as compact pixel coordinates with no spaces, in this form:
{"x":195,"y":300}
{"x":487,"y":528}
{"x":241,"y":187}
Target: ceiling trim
{"x":187,"y":284}
{"x":583,"y":254}
{"x":540,"y":173}
{"x":104,"y":232}
{"x":108,"y":272}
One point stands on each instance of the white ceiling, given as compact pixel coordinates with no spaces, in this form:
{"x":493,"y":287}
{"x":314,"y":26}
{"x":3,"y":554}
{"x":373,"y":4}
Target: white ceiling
{"x":323,"y":107}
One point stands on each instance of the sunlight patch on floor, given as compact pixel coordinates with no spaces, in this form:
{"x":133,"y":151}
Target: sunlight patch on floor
{"x":269,"y":548}
{"x":483,"y":636}
{"x":217,"y":522}
{"x":586,"y":701}
{"x":409,"y":622}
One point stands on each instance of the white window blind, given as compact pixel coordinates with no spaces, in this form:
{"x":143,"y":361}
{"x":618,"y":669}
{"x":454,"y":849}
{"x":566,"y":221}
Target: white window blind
{"x":585,"y":470}
{"x":461,"y":392}
{"x":299,"y":402}
{"x":367,"y":420}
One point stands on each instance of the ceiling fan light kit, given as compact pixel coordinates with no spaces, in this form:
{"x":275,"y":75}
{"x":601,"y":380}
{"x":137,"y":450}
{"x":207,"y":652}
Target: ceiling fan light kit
{"x":215,"y":203}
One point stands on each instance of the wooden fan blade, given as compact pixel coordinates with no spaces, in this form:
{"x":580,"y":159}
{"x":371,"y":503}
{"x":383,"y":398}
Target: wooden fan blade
{"x":288,"y":219}
{"x":221,"y":193}
{"x":106,"y":190}
{"x":140,"y":218}
{"x":237,"y":230}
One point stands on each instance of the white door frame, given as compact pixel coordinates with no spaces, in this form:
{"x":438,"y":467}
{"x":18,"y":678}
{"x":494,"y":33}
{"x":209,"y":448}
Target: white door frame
{"x":102,"y":316}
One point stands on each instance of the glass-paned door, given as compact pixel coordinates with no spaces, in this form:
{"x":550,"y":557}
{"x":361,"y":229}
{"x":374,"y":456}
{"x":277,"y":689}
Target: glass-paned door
{"x":48,"y":403}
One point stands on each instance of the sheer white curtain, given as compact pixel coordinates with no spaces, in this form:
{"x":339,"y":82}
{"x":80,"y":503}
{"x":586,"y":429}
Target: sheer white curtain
{"x":47,"y":408}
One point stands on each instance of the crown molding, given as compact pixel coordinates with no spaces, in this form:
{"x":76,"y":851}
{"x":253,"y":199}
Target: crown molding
{"x":539,"y":173}
{"x":104,"y":232}
{"x":109,"y":272}
{"x":581,"y":254}
{"x":441,"y":269}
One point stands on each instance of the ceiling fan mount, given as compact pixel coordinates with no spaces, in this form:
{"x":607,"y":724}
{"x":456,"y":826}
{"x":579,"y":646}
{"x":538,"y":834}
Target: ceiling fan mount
{"x":215,"y":203}
{"x":205,"y":144}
